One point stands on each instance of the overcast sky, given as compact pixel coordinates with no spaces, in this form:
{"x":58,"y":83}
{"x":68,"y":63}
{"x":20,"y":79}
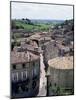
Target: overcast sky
{"x":41,"y":11}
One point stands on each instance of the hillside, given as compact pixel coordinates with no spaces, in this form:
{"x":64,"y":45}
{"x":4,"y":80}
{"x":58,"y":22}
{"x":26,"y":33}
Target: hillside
{"x":22,"y":24}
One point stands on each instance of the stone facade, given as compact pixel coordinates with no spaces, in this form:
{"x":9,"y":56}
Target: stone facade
{"x":62,"y":78}
{"x":25,"y":78}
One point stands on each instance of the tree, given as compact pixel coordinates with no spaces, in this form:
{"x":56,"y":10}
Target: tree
{"x":28,"y":21}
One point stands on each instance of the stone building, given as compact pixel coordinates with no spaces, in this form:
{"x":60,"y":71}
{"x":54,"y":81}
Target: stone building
{"x":25,"y":74}
{"x":40,"y":39}
{"x":65,"y":50}
{"x":50,"y":50}
{"x":31,"y":47}
{"x":61,"y":76}
{"x":54,"y":49}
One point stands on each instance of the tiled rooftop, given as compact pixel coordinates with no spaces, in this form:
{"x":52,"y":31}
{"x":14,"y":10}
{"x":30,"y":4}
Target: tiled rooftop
{"x":61,"y":62}
{"x":39,"y":37}
{"x":21,"y":57}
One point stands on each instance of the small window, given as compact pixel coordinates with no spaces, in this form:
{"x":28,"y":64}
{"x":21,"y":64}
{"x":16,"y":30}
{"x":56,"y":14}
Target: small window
{"x":23,"y":65}
{"x":14,"y":66}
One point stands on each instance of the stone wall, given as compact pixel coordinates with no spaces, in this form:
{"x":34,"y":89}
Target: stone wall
{"x":50,"y":50}
{"x":60,"y":78}
{"x":31,"y":82}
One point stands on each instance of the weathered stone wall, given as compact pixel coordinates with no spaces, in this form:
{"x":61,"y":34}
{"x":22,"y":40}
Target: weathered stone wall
{"x":33,"y":75}
{"x":50,"y":51}
{"x":61,"y":77}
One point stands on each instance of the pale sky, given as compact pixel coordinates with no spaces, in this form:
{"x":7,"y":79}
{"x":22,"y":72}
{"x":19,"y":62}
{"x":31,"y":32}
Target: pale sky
{"x":41,"y":11}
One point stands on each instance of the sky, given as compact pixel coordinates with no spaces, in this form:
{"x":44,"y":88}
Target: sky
{"x":41,"y":11}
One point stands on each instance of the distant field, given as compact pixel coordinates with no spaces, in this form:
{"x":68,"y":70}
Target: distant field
{"x":38,"y":26}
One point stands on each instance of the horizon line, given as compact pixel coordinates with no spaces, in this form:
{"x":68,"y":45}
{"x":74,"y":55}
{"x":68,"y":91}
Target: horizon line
{"x":41,"y":19}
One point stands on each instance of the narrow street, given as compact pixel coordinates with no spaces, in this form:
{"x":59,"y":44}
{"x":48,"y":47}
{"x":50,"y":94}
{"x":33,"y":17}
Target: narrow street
{"x":42,"y":87}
